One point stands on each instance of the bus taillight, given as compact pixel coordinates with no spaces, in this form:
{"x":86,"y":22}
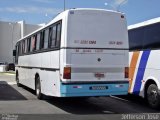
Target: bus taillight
{"x":126,"y":74}
{"x":67,"y":73}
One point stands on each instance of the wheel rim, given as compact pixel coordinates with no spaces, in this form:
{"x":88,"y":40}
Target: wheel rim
{"x":152,"y":97}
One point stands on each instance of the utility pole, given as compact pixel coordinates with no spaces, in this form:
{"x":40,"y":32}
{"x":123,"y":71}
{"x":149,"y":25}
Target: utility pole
{"x":64,"y":5}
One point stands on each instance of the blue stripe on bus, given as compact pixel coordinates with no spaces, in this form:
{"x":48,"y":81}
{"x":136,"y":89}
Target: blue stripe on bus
{"x":140,"y":73}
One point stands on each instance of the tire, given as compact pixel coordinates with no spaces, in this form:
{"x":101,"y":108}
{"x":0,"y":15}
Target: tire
{"x":153,"y":96}
{"x":17,"y":80}
{"x":38,"y":89}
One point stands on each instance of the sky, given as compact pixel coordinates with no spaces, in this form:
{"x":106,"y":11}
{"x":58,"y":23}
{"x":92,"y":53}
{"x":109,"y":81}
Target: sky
{"x":42,"y":11}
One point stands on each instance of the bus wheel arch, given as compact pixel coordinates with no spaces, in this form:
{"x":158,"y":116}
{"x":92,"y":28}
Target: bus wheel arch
{"x":17,"y":79}
{"x":38,"y":86}
{"x":36,"y":78}
{"x":152,"y":94}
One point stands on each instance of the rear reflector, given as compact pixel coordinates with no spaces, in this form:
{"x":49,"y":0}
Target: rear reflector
{"x":67,"y":73}
{"x":126,"y":72}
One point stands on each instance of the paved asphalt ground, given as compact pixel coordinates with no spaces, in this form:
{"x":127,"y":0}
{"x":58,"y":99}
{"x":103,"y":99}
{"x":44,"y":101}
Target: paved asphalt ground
{"x":21,"y":103}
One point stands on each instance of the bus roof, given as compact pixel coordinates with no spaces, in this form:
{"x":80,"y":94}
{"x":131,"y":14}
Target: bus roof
{"x":145,"y":23}
{"x":62,"y":14}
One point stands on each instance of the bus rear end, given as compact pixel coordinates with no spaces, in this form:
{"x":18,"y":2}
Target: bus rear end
{"x":94,"y":56}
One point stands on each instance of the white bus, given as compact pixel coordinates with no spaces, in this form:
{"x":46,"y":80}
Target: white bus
{"x":81,"y":52}
{"x":144,"y":72}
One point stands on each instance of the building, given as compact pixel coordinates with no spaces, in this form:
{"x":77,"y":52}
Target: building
{"x":10,"y":33}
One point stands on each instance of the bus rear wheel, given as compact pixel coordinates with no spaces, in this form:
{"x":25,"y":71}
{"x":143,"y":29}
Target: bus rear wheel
{"x":153,"y":96}
{"x":38,"y":89}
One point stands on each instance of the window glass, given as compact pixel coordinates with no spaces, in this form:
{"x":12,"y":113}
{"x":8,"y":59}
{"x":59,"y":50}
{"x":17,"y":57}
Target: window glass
{"x":23,"y":46}
{"x":58,"y":35}
{"x":50,"y":36}
{"x":25,"y":51}
{"x":53,"y":38}
{"x":136,"y":37}
{"x":19,"y":48}
{"x":42,"y":39}
{"x":46,"y":38}
{"x":152,"y":36}
{"x":38,"y":42}
{"x":29,"y":44}
{"x":17,"y":52}
{"x":33,"y":43}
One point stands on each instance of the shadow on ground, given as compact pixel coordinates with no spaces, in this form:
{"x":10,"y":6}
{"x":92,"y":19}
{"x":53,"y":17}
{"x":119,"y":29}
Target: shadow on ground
{"x":101,"y":105}
{"x":7,"y":92}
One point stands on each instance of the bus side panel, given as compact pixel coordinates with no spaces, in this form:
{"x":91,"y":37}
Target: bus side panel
{"x":49,"y":82}
{"x":22,"y":75}
{"x":46,"y":65}
{"x":152,"y":71}
{"x":26,"y":77}
{"x":134,"y":63}
{"x":145,"y":68}
{"x":27,"y":64}
{"x":50,"y":77}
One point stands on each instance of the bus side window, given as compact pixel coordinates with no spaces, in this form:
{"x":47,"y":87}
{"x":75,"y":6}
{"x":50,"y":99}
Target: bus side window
{"x":38,"y":41}
{"x":151,"y":37}
{"x":46,"y":34}
{"x":25,"y":51}
{"x":28,"y":44}
{"x":18,"y":48}
{"x":53,"y":38}
{"x":135,"y":39}
{"x":23,"y":46}
{"x":33,"y":43}
{"x":50,"y":37}
{"x":17,"y":52}
{"x":42,"y":40}
{"x":58,"y":35}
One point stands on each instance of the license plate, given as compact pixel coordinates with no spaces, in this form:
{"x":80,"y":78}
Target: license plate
{"x":98,"y":87}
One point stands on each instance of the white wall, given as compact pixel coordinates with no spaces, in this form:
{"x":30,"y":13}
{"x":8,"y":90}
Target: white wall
{"x":10,"y":33}
{"x":29,"y":28}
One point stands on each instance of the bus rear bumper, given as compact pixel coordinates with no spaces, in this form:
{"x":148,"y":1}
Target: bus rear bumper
{"x":80,"y":90}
